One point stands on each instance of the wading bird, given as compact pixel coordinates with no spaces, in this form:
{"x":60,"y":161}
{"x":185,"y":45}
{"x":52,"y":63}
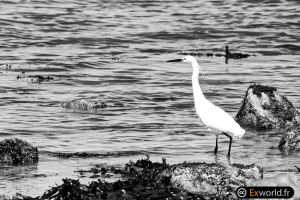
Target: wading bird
{"x":210,"y":115}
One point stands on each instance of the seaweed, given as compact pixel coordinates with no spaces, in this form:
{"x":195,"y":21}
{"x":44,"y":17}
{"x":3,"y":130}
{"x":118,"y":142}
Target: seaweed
{"x":258,"y":89}
{"x":35,"y":78}
{"x":65,"y":155}
{"x":16,"y":151}
{"x":140,"y":182}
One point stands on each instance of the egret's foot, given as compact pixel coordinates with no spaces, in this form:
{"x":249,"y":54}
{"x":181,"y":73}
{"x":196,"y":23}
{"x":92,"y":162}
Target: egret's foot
{"x":228,"y":159}
{"x":216,"y":151}
{"x":216,"y":147}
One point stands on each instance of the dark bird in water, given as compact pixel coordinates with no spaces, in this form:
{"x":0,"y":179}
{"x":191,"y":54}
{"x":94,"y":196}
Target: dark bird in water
{"x":229,"y":55}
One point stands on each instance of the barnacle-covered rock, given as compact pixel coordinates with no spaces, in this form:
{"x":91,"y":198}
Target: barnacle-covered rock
{"x":290,"y":141}
{"x":264,"y":109}
{"x":212,"y":179}
{"x":84,"y":104}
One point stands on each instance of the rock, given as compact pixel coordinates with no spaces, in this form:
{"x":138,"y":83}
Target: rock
{"x":290,"y":141}
{"x":16,"y":196}
{"x":17,"y":151}
{"x":34,"y":78}
{"x":264,"y":109}
{"x":204,"y":180}
{"x":212,"y":179}
{"x":84,"y":104}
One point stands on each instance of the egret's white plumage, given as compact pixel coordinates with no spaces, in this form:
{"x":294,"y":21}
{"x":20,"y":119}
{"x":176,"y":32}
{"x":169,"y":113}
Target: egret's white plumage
{"x":210,"y":115}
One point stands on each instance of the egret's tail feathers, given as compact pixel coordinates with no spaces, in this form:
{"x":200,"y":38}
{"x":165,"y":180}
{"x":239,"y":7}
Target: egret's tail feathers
{"x":239,"y":134}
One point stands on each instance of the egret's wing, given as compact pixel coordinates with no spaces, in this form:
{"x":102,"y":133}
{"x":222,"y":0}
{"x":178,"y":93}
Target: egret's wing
{"x":217,"y":119}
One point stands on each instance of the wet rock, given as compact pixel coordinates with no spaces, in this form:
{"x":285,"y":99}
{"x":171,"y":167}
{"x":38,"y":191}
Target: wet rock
{"x":17,"y":151}
{"x":84,"y":104}
{"x":34,"y":78}
{"x":264,"y":109}
{"x":17,"y":196}
{"x":290,"y":141}
{"x":212,"y":179}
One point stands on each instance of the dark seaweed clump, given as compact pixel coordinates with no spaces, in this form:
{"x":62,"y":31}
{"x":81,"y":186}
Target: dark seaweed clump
{"x":77,"y":154}
{"x":17,"y":151}
{"x":35,"y":78}
{"x":258,"y":89}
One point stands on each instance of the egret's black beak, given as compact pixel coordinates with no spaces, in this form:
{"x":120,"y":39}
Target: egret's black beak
{"x":176,"y":60}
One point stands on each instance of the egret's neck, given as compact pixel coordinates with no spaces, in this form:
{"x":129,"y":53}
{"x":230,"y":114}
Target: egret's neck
{"x":198,"y":95}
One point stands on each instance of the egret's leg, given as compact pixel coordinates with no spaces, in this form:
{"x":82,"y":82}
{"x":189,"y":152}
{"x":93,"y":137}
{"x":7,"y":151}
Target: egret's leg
{"x":216,"y":148}
{"x":230,"y":138}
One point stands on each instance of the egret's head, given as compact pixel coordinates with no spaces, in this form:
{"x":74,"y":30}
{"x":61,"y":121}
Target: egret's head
{"x":188,"y":59}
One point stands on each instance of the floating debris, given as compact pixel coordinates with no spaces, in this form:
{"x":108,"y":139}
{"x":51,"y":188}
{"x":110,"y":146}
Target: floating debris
{"x":79,"y":155}
{"x":199,"y":54}
{"x":34,"y":78}
{"x":9,"y":67}
{"x":16,"y":151}
{"x":115,"y":58}
{"x":100,"y":172}
{"x":228,"y":55}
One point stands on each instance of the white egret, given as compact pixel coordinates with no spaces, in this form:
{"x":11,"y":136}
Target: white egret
{"x":210,"y":115}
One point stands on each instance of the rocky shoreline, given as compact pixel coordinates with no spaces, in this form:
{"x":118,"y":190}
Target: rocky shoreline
{"x":262,"y":109}
{"x":145,"y":179}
